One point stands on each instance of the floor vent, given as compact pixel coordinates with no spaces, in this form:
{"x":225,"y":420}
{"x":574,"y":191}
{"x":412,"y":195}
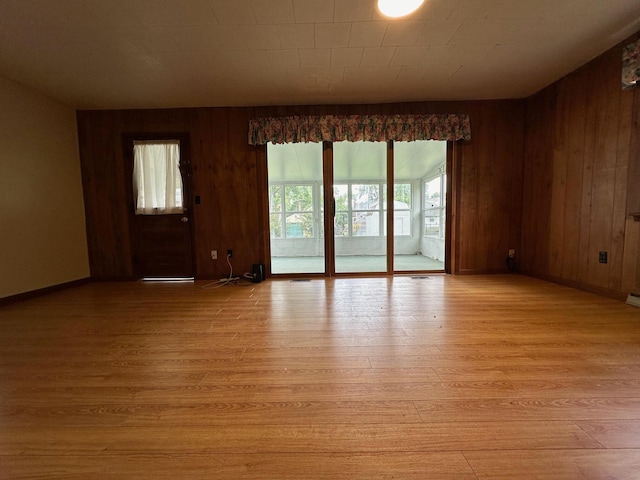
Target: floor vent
{"x":633,"y":299}
{"x":420,"y":278}
{"x":301,"y":280}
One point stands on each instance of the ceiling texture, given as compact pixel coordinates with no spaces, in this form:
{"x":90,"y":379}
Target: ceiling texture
{"x":111,"y":54}
{"x":366,"y":161}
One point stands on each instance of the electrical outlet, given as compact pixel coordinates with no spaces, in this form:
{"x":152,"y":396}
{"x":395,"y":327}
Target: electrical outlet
{"x":214,"y":254}
{"x":229,"y":253}
{"x":602,"y":257}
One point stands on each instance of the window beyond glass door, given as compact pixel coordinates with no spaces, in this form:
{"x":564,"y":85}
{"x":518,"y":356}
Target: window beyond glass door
{"x":434,"y":207}
{"x":292,"y":211}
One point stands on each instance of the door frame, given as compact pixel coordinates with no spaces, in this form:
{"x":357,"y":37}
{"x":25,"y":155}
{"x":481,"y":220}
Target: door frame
{"x":453,"y":167}
{"x":452,"y":220}
{"x":185,"y":170}
{"x":329,"y":210}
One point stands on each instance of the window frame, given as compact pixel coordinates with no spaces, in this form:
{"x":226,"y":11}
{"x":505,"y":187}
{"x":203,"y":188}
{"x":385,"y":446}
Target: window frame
{"x":283,"y":213}
{"x":395,"y":210}
{"x":441,"y":208}
{"x":139,"y":173}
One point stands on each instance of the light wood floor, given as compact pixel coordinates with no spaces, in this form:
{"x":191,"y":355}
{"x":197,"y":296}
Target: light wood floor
{"x":497,"y":377}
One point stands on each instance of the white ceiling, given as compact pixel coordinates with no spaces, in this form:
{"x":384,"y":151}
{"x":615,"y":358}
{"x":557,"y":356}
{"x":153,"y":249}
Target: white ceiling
{"x":354,"y":161}
{"x":171,"y":53}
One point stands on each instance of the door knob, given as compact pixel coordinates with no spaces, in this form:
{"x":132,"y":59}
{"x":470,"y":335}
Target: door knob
{"x":184,"y":219}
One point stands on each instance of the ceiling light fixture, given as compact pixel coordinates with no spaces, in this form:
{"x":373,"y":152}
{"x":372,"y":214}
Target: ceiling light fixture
{"x":398,"y":8}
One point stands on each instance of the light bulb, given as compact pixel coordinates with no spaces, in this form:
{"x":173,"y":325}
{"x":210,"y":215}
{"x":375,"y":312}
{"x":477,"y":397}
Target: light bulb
{"x":398,"y":8}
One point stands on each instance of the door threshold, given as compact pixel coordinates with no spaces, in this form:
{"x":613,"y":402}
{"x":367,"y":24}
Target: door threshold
{"x":167,"y":279}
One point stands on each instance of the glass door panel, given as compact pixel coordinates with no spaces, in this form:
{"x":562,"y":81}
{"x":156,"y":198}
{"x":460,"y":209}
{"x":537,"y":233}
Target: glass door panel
{"x":296,"y":221}
{"x":359,"y":190}
{"x":419,"y":194}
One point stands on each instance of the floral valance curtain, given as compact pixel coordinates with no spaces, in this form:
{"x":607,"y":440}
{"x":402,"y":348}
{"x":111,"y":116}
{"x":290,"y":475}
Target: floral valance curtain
{"x":630,"y":65}
{"x":353,"y":128}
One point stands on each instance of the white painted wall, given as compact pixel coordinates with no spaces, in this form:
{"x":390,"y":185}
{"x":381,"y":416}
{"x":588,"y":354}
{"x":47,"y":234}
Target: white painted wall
{"x":432,"y":247}
{"x":42,"y":225}
{"x":313,"y":247}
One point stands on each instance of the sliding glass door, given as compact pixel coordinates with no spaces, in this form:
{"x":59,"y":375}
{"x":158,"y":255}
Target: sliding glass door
{"x":357,"y":175}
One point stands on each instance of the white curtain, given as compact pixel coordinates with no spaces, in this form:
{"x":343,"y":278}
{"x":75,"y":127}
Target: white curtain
{"x":157,"y":183}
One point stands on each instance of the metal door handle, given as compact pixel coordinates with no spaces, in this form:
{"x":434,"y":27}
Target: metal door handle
{"x":184,"y":219}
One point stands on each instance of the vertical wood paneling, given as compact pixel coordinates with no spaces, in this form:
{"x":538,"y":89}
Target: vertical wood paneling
{"x":508,"y":196}
{"x":623,"y":151}
{"x":631,"y":256}
{"x":105,"y":197}
{"x":633,"y":197}
{"x":490,"y":187}
{"x":241,"y":163}
{"x":540,"y":122}
{"x":226,"y":176}
{"x":593,"y":109}
{"x":603,"y":185}
{"x":199,"y":128}
{"x":576,"y":120}
{"x":583,"y":174}
{"x":485,"y":197}
{"x":558,"y":184}
{"x":469,"y":210}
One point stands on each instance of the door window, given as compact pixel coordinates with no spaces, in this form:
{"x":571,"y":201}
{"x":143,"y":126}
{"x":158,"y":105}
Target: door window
{"x":157,"y":182}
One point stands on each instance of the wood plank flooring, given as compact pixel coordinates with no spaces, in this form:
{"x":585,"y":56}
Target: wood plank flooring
{"x":446,"y":377}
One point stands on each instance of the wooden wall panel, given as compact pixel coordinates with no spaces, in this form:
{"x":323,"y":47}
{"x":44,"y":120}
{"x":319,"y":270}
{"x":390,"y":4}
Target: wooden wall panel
{"x":491,"y":187}
{"x":558,"y":184}
{"x":228,"y":176}
{"x":604,"y":170}
{"x":105,"y":198}
{"x":576,"y":122}
{"x":507,"y":194}
{"x":578,"y":145}
{"x":539,"y":128}
{"x":203,"y":181}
